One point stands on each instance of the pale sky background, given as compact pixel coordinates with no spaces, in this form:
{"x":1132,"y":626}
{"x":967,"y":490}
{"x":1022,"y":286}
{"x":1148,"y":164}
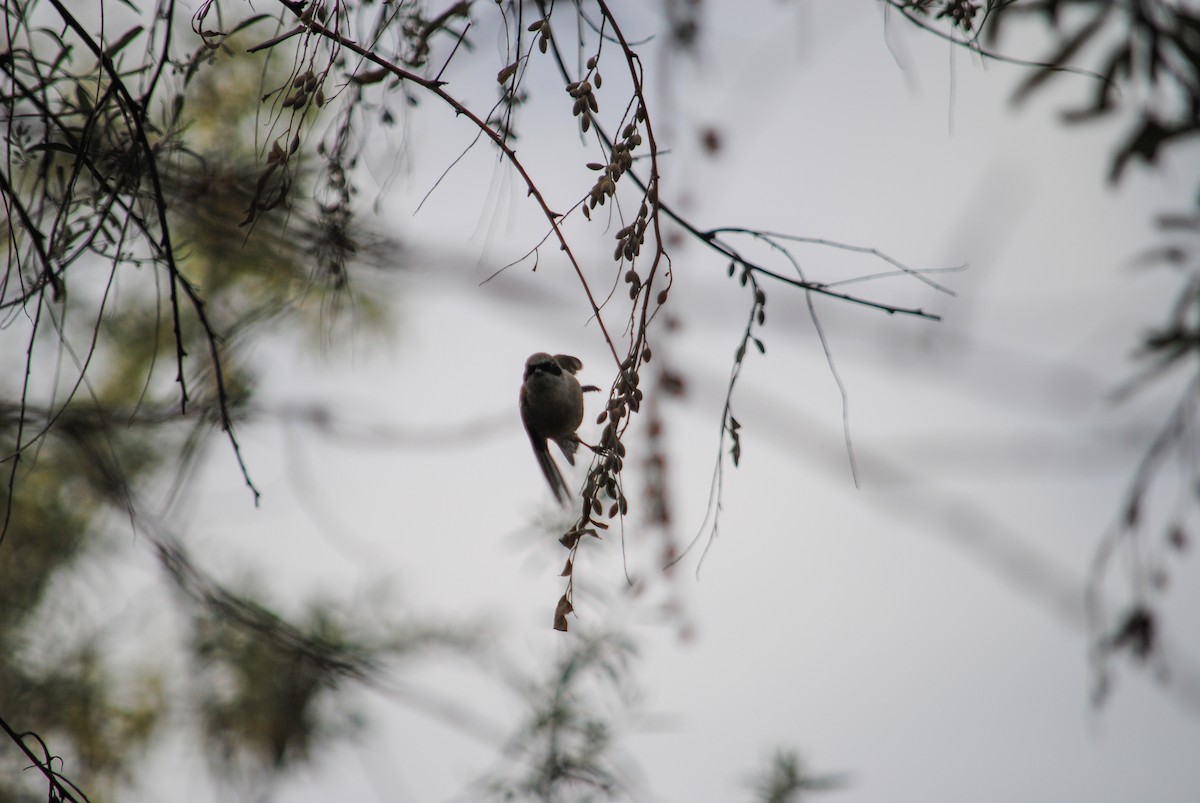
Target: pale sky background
{"x":881,"y":631}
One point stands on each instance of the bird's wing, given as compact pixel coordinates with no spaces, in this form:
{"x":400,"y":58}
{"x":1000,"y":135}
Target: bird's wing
{"x":568,"y":363}
{"x":569,"y":446}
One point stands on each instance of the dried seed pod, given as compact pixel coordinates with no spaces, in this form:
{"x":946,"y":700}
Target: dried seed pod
{"x":560,"y":615}
{"x":508,"y":72}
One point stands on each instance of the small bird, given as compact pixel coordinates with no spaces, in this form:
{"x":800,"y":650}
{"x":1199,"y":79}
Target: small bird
{"x":552,"y":409}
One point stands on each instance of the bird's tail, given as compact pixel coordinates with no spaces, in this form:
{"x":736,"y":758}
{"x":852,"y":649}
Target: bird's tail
{"x":553,"y":476}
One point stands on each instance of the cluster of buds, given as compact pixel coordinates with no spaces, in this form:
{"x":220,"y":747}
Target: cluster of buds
{"x":960,"y":12}
{"x":542,"y":29}
{"x":631,"y":237}
{"x":619,"y":163}
{"x":305,"y":85}
{"x":604,"y":475}
{"x":627,"y":397}
{"x":585,"y":102}
{"x":603,"y":497}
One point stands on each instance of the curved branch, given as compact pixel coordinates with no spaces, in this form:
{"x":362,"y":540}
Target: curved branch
{"x":69,"y":791}
{"x":435,"y":87}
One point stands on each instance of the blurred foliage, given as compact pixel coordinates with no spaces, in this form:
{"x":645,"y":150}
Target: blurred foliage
{"x":150,"y":195}
{"x":152,"y":241}
{"x":262,"y":697}
{"x":786,"y":779}
{"x":1136,"y":63}
{"x":565,"y":747}
{"x":1140,"y":60}
{"x":1161,"y":510}
{"x":66,"y":690}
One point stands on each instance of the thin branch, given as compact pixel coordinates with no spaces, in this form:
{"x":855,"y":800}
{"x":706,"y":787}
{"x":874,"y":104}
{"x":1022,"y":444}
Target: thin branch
{"x":166,"y":250}
{"x":58,"y":785}
{"x":918,"y":274}
{"x":436,"y":87}
{"x":974,"y":46}
{"x":16,"y":458}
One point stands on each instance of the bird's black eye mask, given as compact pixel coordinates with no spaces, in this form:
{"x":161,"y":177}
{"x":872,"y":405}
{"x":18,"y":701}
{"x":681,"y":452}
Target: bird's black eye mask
{"x":549,"y":367}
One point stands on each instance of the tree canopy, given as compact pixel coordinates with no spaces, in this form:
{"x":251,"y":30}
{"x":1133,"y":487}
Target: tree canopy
{"x":184,"y":192}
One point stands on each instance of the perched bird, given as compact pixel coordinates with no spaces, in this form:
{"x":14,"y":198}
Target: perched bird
{"x":552,"y":409}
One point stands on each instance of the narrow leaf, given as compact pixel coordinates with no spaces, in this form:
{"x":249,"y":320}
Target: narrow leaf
{"x":129,"y":36}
